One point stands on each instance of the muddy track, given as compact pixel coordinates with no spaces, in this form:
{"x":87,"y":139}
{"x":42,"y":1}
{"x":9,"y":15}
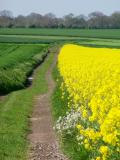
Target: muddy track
{"x":44,"y":145}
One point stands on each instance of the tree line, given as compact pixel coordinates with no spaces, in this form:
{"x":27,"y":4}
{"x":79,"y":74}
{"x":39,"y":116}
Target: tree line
{"x":95,"y":20}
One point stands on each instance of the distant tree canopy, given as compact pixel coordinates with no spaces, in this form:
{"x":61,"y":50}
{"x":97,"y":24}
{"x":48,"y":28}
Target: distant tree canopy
{"x":95,"y":20}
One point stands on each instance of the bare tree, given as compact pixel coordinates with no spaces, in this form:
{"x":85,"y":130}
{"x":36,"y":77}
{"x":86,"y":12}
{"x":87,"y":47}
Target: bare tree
{"x":115,"y":20}
{"x":6,"y":13}
{"x":34,"y":20}
{"x":98,"y":20}
{"x":6,"y":18}
{"x":20,"y":21}
{"x":51,"y":20}
{"x":68,"y":19}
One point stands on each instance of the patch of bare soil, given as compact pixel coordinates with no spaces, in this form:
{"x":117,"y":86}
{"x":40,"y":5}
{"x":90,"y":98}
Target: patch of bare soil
{"x":44,"y":145}
{"x":2,"y":97}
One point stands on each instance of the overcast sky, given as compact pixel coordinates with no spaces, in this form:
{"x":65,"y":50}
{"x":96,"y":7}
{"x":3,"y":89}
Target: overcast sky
{"x":60,"y":7}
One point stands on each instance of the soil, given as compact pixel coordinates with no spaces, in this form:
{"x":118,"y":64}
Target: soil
{"x":2,"y":97}
{"x":44,"y":144}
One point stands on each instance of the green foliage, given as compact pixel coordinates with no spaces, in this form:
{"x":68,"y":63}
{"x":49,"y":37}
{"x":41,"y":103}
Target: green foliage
{"x":15,"y":111}
{"x":59,"y":104}
{"x":16,"y":62}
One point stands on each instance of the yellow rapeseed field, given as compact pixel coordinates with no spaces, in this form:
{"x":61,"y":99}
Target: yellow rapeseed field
{"x":92,"y":79}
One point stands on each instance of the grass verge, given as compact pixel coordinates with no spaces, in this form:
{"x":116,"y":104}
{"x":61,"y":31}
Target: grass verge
{"x":17,"y":62}
{"x":15,"y":111}
{"x":68,"y":143}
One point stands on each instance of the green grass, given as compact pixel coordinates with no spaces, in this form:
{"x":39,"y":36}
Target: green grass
{"x":34,"y":39}
{"x":27,"y":39}
{"x":16,"y":62}
{"x":24,"y":39}
{"x":94,"y":37}
{"x":15,"y":111}
{"x":91,"y":33}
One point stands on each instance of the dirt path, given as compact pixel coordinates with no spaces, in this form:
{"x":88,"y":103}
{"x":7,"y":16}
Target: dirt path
{"x":43,"y":139}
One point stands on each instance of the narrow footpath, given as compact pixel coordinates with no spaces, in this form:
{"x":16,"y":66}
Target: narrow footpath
{"x":44,"y":145}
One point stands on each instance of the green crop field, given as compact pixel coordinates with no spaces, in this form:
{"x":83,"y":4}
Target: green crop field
{"x":96,"y":37}
{"x":16,"y":62}
{"x":20,"y":51}
{"x":91,"y":33}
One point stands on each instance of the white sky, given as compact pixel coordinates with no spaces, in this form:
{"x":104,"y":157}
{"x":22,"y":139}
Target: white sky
{"x":60,"y":7}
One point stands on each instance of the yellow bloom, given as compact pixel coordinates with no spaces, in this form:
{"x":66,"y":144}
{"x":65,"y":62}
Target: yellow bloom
{"x":79,"y":126}
{"x":104,"y":150}
{"x":87,"y":146}
{"x":92,"y":79}
{"x":98,"y":158}
{"x":84,"y":113}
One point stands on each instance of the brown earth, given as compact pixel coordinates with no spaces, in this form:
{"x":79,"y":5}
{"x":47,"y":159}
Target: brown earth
{"x":2,"y":98}
{"x":44,"y":145}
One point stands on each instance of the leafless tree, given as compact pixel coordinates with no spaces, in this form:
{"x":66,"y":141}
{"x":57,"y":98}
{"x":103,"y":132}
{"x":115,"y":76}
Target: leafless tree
{"x":34,"y":20}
